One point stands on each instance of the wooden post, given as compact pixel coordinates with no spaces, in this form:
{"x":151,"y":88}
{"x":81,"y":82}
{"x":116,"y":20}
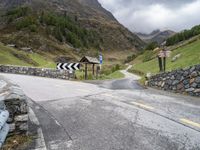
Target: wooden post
{"x":86,"y":76}
{"x":97,"y":71}
{"x":160,"y":63}
{"x":93,"y":65}
{"x":164,"y":64}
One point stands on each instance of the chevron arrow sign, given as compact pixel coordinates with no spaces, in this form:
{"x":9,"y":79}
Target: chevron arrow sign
{"x":68,"y":66}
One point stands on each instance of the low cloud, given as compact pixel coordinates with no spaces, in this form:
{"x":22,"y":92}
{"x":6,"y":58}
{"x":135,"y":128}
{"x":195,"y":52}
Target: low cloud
{"x":148,"y":15}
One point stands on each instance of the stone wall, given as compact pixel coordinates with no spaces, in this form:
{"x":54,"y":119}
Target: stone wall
{"x":186,"y":81}
{"x":42,"y":72}
{"x":13,"y":99}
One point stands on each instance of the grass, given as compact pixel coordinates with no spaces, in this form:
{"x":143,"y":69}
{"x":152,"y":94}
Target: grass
{"x":16,"y":142}
{"x":42,"y":61}
{"x":12,"y":56}
{"x":190,"y":55}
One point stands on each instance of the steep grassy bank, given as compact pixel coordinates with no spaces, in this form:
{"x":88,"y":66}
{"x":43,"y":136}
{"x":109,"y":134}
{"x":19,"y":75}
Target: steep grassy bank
{"x":189,"y":55}
{"x":13,"y":56}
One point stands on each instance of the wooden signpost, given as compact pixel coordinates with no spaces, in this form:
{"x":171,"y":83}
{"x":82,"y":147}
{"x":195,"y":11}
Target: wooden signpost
{"x":163,"y":54}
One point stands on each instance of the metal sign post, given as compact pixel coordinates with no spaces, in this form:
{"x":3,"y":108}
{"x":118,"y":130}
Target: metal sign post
{"x":101,"y":61}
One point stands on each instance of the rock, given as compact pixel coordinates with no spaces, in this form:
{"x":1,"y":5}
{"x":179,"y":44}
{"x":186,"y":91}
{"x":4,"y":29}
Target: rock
{"x":197,"y":80}
{"x":192,"y":69}
{"x":163,"y":84}
{"x":185,"y":82}
{"x":197,"y":91}
{"x":180,"y":86}
{"x":192,"y":80}
{"x":173,"y":77}
{"x":198,"y":67}
{"x":194,"y":74}
{"x":185,"y":74}
{"x":175,"y":82}
{"x":178,"y":77}
{"x":194,"y":85}
{"x":176,"y":57}
{"x":21,"y":118}
{"x":12,"y":127}
{"x":174,"y":88}
{"x":24,"y":108}
{"x":187,"y":86}
{"x":190,"y":90}
{"x":23,"y":127}
{"x":182,"y":78}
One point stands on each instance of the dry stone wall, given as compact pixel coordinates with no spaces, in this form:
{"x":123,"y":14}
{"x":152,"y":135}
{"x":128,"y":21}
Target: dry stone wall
{"x":186,"y":81}
{"x":42,"y":72}
{"x":13,"y":99}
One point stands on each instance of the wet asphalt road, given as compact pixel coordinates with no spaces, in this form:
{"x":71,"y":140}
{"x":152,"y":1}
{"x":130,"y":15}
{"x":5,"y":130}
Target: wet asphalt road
{"x":113,"y":115}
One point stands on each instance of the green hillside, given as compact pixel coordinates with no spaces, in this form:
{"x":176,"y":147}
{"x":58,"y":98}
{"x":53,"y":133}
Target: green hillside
{"x":13,"y":56}
{"x":190,"y":55}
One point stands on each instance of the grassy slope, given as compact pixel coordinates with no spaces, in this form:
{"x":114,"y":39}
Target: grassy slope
{"x":190,"y":55}
{"x":28,"y":59}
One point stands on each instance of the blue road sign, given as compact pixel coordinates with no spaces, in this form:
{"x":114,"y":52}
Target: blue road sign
{"x":101,"y":59}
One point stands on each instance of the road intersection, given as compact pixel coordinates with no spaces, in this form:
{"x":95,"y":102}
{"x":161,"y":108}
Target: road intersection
{"x":117,"y":114}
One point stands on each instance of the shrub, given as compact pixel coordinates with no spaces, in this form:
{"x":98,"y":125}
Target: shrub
{"x":130,"y":58}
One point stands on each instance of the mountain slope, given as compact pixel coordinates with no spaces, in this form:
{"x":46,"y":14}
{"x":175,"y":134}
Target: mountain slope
{"x":102,"y":29}
{"x":186,"y":54}
{"x":156,"y":36}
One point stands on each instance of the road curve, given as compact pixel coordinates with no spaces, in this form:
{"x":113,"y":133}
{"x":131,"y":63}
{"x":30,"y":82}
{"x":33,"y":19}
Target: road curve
{"x":83,"y":116}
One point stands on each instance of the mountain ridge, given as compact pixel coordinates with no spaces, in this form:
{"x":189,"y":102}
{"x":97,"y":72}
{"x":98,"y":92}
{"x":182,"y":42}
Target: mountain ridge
{"x":156,"y":36}
{"x":90,"y":15}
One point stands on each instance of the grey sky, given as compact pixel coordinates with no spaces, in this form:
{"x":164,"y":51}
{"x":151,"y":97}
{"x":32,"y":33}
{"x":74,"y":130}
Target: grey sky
{"x":148,"y":15}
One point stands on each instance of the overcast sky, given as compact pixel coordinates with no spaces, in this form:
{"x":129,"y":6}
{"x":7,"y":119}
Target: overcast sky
{"x":148,"y":15}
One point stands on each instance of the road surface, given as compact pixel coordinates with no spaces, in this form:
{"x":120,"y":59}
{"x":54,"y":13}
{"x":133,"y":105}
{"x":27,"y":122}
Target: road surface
{"x":113,"y":115}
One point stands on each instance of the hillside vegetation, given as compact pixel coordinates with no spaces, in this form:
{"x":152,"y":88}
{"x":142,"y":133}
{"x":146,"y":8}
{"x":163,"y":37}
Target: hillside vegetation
{"x":13,"y":56}
{"x":83,"y":25}
{"x":61,"y":27}
{"x":189,"y":55}
{"x":184,"y":35}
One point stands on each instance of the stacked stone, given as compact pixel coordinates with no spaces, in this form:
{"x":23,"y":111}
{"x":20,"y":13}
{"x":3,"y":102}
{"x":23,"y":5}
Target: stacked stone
{"x":16,"y":103}
{"x":42,"y":72}
{"x":180,"y":81}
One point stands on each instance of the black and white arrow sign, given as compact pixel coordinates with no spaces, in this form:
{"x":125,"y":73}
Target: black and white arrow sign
{"x":68,"y":66}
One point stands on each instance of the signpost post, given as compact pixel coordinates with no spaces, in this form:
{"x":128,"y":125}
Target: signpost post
{"x":100,"y":60}
{"x":163,"y":54}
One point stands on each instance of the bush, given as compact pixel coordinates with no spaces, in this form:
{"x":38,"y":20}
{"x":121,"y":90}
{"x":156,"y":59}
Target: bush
{"x":26,"y":22}
{"x":33,"y":28}
{"x":151,"y":46}
{"x":116,"y":68}
{"x":130,"y":58}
